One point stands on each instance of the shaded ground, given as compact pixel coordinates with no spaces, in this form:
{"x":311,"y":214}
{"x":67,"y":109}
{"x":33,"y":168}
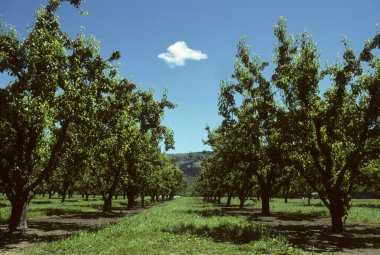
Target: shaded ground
{"x":311,"y":232}
{"x":57,"y":227}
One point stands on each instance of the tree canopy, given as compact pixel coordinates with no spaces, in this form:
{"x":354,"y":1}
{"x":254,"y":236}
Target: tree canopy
{"x":275,"y":126}
{"x":69,"y":118}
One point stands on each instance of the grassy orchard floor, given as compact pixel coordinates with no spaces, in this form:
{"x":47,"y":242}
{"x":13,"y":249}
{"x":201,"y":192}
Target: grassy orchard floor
{"x":190,"y":226}
{"x":361,"y":211}
{"x":183,"y":226}
{"x":309,"y":227}
{"x":41,"y":207}
{"x":50,"y":220}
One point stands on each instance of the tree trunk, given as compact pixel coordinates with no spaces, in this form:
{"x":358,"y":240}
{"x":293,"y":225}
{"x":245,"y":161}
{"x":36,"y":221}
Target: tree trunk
{"x":107,"y":206}
{"x":142,"y":201}
{"x":336,"y":221}
{"x":337,"y":212}
{"x":50,"y":194}
{"x":286,"y":195}
{"x":242,"y":201}
{"x":63,"y":197}
{"x":228,"y":200}
{"x":18,"y":218}
{"x":87,"y":195}
{"x":131,"y":192}
{"x":265,"y":198}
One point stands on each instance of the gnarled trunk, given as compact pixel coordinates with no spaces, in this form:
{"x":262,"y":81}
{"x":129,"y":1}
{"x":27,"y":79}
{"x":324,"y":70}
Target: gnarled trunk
{"x":18,"y":218}
{"x":337,"y":212}
{"x":242,"y":201}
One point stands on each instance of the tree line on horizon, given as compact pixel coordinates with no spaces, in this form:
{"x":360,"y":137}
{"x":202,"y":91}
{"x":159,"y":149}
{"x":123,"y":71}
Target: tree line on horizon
{"x":282,"y":133}
{"x":70,"y":123}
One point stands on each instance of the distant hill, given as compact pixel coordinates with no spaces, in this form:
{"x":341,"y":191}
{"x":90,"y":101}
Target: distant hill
{"x":189,"y":163}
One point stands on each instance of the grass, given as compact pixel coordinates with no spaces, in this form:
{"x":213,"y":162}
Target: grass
{"x":182,"y":226}
{"x":361,"y":211}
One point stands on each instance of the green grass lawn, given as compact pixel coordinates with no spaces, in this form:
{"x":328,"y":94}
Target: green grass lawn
{"x":182,"y":226}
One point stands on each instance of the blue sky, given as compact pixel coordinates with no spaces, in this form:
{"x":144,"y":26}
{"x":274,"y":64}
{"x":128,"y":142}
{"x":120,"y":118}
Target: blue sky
{"x":142,"y":30}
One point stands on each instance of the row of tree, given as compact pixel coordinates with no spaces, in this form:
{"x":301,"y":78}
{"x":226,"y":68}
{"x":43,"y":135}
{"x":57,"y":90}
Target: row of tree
{"x":285,"y":130}
{"x":69,"y":121}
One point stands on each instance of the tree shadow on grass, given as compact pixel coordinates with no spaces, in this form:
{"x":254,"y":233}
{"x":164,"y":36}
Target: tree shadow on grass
{"x":294,"y":216}
{"x":206,"y":212}
{"x":312,"y":231}
{"x":40,"y":231}
{"x":36,"y":202}
{"x":55,"y":211}
{"x":319,"y":238}
{"x":223,"y":232}
{"x":235,"y":210}
{"x":374,"y":206}
{"x":60,"y":226}
{"x":2,"y":205}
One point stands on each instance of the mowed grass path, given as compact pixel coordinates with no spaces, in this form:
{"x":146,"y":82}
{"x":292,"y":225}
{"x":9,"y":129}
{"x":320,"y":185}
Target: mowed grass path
{"x":182,"y":226}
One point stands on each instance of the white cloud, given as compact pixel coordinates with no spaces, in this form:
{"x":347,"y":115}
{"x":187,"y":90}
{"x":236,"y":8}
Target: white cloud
{"x":178,"y":53}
